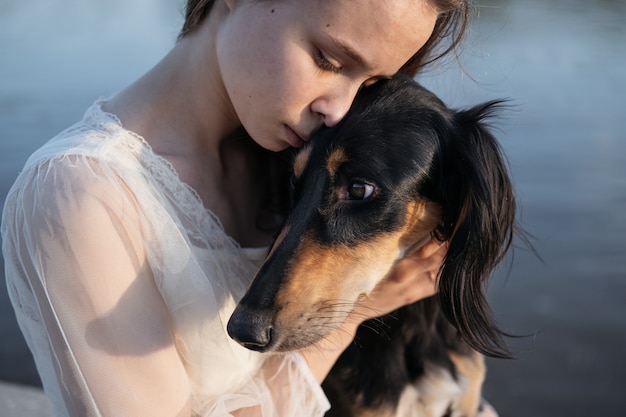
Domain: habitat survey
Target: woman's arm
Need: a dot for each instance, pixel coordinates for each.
(99, 328)
(74, 250)
(104, 338)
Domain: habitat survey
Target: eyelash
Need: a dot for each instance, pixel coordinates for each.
(324, 63)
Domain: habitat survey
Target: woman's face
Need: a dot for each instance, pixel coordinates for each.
(290, 66)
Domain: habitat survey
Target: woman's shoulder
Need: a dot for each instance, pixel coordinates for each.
(94, 156)
(95, 151)
(98, 135)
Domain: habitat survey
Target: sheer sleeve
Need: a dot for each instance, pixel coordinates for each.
(116, 327)
(81, 274)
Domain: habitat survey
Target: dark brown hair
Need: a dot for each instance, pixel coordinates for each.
(450, 26)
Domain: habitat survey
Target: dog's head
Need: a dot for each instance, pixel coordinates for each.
(401, 167)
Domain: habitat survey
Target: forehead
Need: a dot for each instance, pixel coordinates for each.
(386, 32)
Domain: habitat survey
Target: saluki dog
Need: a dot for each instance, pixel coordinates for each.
(400, 168)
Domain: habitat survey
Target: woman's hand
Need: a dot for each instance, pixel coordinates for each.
(413, 278)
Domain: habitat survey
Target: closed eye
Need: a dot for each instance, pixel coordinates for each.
(324, 63)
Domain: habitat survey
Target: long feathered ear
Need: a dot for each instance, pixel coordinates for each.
(478, 223)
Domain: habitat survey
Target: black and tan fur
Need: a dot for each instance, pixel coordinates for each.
(400, 168)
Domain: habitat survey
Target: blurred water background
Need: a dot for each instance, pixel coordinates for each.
(563, 65)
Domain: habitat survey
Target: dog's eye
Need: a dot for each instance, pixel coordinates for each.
(359, 190)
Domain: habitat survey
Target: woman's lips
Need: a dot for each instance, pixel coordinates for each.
(293, 138)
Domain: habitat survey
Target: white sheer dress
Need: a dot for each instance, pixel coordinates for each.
(123, 282)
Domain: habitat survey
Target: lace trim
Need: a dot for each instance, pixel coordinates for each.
(204, 227)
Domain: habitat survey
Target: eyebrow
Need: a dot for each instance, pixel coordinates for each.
(350, 53)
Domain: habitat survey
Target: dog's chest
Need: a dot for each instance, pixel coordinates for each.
(437, 394)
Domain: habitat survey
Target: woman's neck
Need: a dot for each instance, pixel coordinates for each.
(181, 109)
(180, 106)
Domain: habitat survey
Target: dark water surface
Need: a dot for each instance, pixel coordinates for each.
(563, 65)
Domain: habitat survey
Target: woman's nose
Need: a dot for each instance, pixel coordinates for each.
(334, 105)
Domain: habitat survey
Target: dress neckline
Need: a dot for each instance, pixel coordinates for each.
(166, 174)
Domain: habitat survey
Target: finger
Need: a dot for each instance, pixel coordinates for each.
(410, 276)
(430, 248)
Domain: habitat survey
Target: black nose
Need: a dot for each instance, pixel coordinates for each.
(251, 328)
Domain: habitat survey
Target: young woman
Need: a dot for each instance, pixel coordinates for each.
(129, 237)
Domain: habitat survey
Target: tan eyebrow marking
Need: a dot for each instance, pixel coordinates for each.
(335, 160)
(300, 161)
